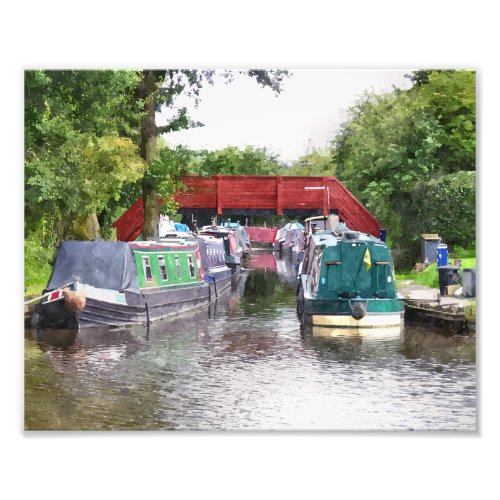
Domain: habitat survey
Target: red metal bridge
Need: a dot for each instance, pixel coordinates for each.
(261, 195)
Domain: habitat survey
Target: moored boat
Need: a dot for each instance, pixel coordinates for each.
(213, 260)
(241, 236)
(347, 285)
(288, 238)
(120, 283)
(233, 252)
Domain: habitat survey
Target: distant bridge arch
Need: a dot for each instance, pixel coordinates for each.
(261, 195)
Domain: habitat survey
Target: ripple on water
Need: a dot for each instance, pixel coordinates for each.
(247, 366)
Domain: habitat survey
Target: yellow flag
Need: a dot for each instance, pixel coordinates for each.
(367, 259)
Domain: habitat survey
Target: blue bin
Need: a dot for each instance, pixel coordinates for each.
(442, 255)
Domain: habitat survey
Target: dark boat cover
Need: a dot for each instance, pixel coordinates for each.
(216, 257)
(102, 264)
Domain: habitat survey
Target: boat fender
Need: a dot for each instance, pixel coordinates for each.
(358, 310)
(74, 301)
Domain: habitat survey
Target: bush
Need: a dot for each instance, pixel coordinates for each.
(38, 258)
(458, 252)
(447, 206)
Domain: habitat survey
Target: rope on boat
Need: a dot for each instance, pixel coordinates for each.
(48, 293)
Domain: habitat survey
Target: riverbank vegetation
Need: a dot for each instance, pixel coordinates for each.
(430, 276)
(410, 157)
(93, 147)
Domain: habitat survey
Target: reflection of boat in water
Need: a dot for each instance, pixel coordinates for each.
(263, 260)
(287, 269)
(347, 286)
(378, 333)
(347, 348)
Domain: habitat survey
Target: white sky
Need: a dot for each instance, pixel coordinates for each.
(311, 107)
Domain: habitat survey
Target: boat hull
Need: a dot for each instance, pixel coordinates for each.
(333, 317)
(219, 282)
(140, 308)
(377, 325)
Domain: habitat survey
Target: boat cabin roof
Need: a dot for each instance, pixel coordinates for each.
(316, 217)
(209, 238)
(216, 229)
(165, 244)
(329, 238)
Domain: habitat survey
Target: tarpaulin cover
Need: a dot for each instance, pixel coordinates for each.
(212, 253)
(203, 253)
(102, 264)
(181, 228)
(292, 237)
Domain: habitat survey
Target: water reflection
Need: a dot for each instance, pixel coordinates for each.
(246, 363)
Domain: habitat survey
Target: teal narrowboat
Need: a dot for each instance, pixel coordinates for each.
(347, 285)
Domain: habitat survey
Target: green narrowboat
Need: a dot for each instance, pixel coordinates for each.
(119, 283)
(347, 285)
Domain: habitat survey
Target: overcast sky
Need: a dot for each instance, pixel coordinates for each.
(307, 112)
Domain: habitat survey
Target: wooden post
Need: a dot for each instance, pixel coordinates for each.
(279, 197)
(325, 198)
(219, 201)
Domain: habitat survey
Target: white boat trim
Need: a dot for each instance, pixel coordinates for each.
(347, 321)
(372, 333)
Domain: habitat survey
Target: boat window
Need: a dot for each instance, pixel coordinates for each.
(178, 265)
(163, 268)
(191, 266)
(147, 269)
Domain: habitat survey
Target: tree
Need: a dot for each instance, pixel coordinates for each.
(450, 96)
(80, 128)
(387, 146)
(232, 160)
(161, 88)
(393, 145)
(319, 161)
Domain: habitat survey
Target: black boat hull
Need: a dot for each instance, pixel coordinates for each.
(150, 305)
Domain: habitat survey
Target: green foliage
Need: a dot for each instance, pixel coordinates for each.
(456, 250)
(447, 206)
(235, 161)
(164, 174)
(38, 256)
(430, 276)
(467, 262)
(451, 98)
(397, 153)
(387, 146)
(317, 162)
(76, 159)
(80, 128)
(81, 175)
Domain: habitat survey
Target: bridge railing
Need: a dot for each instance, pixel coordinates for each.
(246, 195)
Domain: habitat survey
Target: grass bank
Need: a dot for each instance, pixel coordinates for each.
(36, 282)
(429, 276)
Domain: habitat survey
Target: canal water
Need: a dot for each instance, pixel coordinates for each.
(245, 364)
